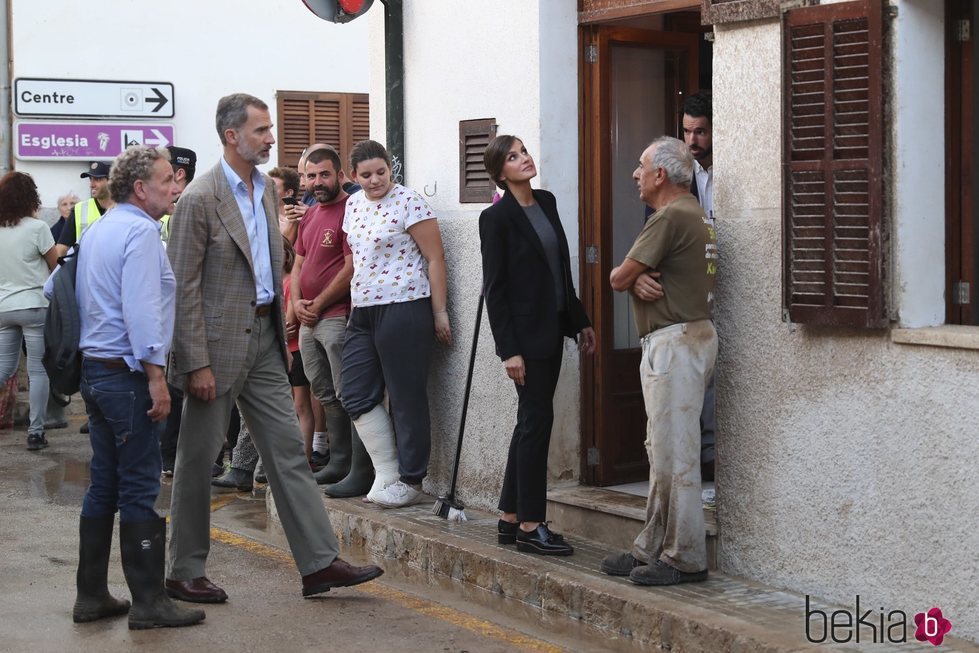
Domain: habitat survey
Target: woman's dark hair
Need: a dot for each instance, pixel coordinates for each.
(365, 151)
(18, 198)
(495, 156)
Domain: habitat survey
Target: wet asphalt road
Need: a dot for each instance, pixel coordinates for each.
(40, 499)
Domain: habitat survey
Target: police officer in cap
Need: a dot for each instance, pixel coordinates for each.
(184, 164)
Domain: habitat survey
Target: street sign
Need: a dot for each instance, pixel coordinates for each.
(85, 141)
(79, 98)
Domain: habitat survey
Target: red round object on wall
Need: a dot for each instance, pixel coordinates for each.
(351, 6)
(338, 11)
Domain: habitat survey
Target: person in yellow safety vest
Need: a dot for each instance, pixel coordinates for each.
(88, 212)
(184, 164)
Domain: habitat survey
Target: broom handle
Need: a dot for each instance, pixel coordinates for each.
(465, 399)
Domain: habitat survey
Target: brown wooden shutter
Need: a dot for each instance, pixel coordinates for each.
(360, 120)
(295, 128)
(833, 165)
(337, 119)
(475, 184)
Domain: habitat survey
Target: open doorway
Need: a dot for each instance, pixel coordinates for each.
(635, 74)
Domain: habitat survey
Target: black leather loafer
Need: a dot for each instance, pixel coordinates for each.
(543, 542)
(506, 532)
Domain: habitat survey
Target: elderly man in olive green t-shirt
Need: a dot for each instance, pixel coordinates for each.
(679, 347)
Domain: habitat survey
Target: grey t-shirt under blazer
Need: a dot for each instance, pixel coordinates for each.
(552, 250)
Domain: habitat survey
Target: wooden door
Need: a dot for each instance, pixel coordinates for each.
(633, 86)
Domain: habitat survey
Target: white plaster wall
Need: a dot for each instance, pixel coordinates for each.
(558, 162)
(846, 462)
(206, 49)
(918, 163)
(514, 61)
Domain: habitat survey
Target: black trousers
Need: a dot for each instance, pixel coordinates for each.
(168, 439)
(525, 480)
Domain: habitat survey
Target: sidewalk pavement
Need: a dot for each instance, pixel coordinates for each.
(723, 614)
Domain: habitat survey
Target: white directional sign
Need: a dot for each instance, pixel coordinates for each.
(79, 98)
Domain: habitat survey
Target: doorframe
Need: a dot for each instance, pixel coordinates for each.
(595, 229)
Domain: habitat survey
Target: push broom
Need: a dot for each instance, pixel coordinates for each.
(447, 506)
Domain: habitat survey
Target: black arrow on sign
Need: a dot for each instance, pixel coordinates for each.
(160, 100)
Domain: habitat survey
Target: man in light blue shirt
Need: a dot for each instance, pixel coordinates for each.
(125, 297)
(249, 202)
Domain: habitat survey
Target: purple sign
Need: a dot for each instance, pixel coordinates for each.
(84, 141)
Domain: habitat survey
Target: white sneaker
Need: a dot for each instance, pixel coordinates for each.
(378, 486)
(397, 495)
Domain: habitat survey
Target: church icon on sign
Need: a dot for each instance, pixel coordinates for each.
(131, 137)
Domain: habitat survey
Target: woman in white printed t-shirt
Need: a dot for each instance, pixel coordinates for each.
(398, 293)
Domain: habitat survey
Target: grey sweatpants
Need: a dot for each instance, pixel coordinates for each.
(390, 347)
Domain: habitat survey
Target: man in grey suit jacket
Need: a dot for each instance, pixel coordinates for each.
(229, 345)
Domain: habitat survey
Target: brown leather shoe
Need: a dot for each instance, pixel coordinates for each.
(338, 574)
(199, 590)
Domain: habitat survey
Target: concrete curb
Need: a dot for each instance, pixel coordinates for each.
(419, 547)
(724, 614)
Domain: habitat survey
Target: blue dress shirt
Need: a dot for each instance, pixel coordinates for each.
(125, 289)
(257, 227)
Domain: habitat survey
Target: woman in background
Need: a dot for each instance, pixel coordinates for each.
(65, 205)
(27, 256)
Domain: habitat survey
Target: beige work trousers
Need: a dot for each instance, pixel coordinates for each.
(677, 363)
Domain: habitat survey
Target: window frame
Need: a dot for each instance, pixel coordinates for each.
(962, 169)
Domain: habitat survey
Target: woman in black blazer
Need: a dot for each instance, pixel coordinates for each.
(532, 307)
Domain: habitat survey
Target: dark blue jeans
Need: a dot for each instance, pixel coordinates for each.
(125, 469)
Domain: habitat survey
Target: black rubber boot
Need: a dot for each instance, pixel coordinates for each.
(93, 600)
(143, 545)
(358, 482)
(340, 429)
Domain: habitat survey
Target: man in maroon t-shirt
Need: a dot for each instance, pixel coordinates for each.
(321, 298)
